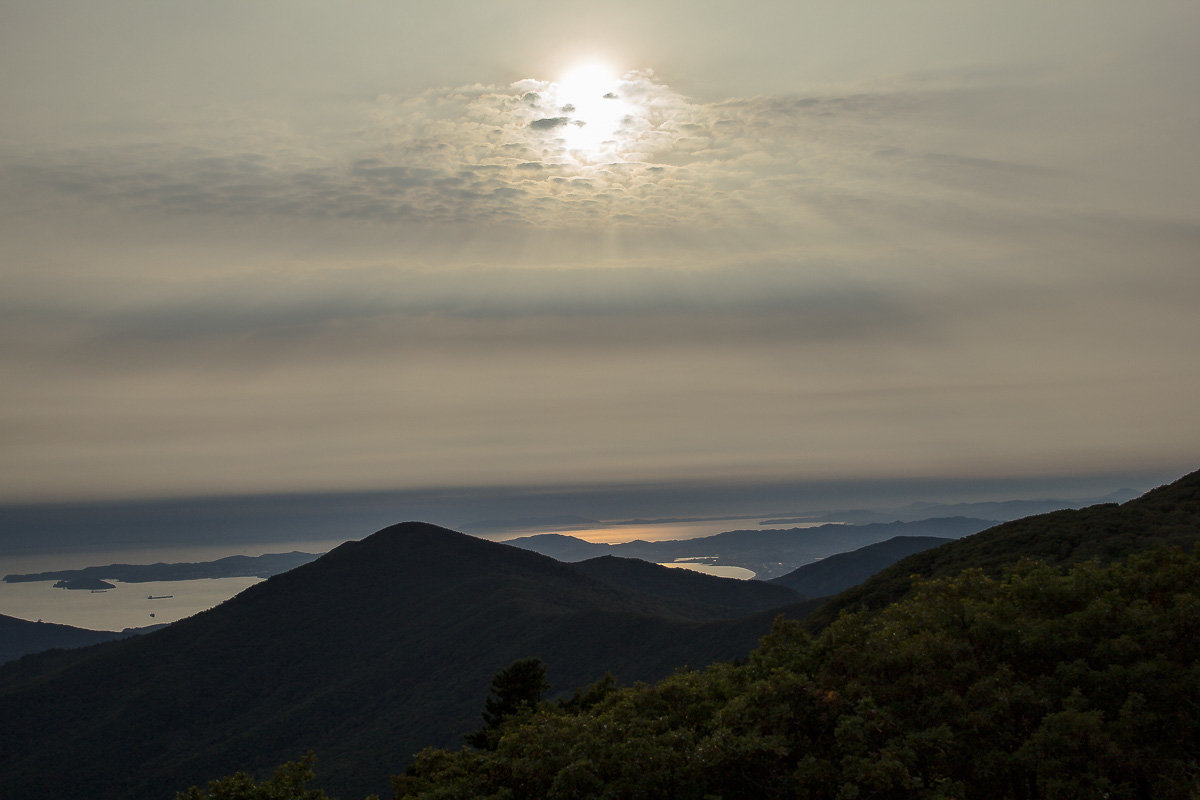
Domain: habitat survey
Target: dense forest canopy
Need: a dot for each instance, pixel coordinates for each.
(1040, 683)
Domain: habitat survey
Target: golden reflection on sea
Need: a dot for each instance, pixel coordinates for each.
(649, 531)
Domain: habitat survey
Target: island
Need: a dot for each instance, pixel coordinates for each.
(94, 584)
(263, 566)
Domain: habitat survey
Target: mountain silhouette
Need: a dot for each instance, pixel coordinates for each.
(844, 570)
(263, 566)
(379, 648)
(19, 637)
(688, 592)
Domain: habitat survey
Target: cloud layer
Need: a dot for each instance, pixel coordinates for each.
(481, 155)
(961, 271)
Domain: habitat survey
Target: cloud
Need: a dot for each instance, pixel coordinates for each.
(549, 123)
(464, 155)
(583, 307)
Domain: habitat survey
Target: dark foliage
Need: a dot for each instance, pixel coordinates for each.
(1037, 684)
(288, 782)
(518, 687)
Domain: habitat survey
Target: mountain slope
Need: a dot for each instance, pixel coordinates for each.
(1042, 683)
(1168, 515)
(843, 570)
(709, 596)
(19, 637)
(366, 655)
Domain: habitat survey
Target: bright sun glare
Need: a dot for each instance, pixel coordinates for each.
(589, 95)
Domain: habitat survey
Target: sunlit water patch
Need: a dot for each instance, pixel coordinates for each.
(129, 605)
(740, 573)
(656, 531)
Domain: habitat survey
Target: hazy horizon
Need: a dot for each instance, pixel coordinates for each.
(303, 248)
(51, 537)
(233, 523)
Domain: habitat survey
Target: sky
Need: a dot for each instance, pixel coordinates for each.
(297, 246)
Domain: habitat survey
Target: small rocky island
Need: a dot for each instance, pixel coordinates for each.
(94, 584)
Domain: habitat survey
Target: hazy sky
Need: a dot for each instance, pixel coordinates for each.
(296, 246)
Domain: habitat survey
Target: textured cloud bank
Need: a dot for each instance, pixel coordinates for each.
(499, 155)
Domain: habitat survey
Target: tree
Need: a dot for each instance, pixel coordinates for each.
(287, 783)
(516, 688)
(1039, 684)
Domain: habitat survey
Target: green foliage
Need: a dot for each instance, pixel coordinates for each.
(287, 783)
(516, 689)
(590, 696)
(1039, 683)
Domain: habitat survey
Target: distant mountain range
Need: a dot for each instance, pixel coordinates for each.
(1000, 511)
(366, 655)
(263, 566)
(767, 553)
(520, 523)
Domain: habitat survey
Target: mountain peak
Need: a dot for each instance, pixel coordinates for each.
(393, 638)
(414, 532)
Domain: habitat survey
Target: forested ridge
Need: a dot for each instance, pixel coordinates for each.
(1040, 683)
(1168, 515)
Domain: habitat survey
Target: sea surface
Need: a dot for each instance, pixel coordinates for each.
(738, 573)
(128, 606)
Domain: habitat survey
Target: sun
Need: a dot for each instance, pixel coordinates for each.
(589, 96)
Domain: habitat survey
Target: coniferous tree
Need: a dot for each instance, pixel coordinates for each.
(516, 688)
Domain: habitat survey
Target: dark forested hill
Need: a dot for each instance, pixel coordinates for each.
(366, 655)
(1168, 515)
(1041, 684)
(702, 595)
(843, 570)
(19, 637)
